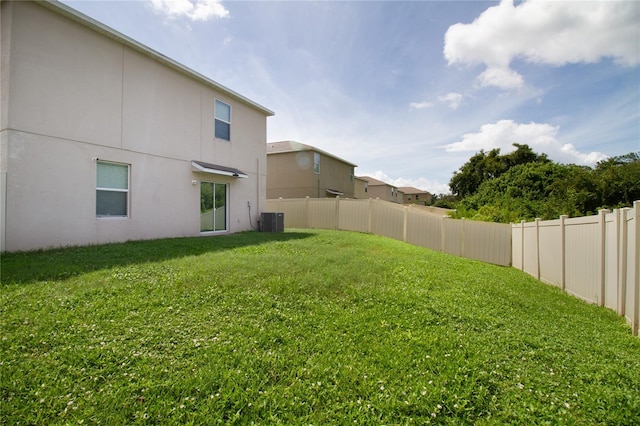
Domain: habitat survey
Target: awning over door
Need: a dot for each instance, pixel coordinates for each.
(334, 192)
(215, 169)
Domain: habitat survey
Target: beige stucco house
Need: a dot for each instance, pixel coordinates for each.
(360, 187)
(413, 195)
(375, 188)
(296, 170)
(105, 140)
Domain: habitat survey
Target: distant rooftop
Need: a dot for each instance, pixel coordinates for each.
(410, 190)
(374, 182)
(293, 146)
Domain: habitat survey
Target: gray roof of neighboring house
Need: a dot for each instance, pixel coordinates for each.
(374, 182)
(410, 190)
(293, 146)
(109, 32)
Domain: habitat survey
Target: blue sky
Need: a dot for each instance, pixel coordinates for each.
(409, 91)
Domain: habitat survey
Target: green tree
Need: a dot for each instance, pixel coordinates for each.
(618, 180)
(528, 191)
(483, 167)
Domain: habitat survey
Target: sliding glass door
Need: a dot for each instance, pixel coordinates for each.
(213, 206)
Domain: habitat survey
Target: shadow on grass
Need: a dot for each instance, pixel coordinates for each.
(61, 263)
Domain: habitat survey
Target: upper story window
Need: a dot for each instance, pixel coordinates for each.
(223, 120)
(112, 189)
(351, 173)
(316, 163)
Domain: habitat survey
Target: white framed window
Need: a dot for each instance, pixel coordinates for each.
(213, 206)
(222, 120)
(316, 163)
(112, 189)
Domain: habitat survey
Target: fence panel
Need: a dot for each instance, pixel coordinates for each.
(516, 245)
(582, 258)
(595, 258)
(424, 230)
(295, 211)
(387, 219)
(487, 242)
(530, 249)
(550, 239)
(322, 213)
(354, 215)
(452, 238)
(630, 264)
(611, 255)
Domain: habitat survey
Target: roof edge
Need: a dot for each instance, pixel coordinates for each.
(109, 32)
(304, 147)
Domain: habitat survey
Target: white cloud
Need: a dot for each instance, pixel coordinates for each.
(420, 105)
(504, 78)
(545, 32)
(429, 185)
(541, 137)
(195, 10)
(453, 99)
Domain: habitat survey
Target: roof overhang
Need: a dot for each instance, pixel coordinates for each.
(214, 169)
(334, 192)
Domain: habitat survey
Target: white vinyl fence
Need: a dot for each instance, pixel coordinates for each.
(487, 242)
(594, 258)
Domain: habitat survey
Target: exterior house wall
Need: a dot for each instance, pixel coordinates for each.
(378, 189)
(382, 192)
(74, 92)
(385, 192)
(415, 196)
(291, 173)
(334, 175)
(360, 188)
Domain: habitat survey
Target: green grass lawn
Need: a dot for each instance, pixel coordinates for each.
(306, 327)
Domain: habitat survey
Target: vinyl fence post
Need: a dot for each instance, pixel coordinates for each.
(522, 222)
(306, 212)
(336, 224)
(623, 260)
(618, 265)
(462, 231)
(636, 298)
(404, 224)
(563, 253)
(369, 219)
(602, 214)
(443, 233)
(538, 248)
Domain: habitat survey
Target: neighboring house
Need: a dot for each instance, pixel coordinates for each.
(360, 188)
(415, 195)
(105, 140)
(296, 170)
(375, 188)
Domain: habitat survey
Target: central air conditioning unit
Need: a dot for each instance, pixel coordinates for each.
(272, 222)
